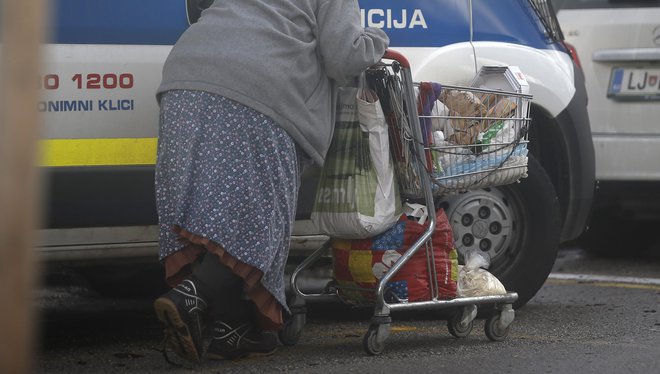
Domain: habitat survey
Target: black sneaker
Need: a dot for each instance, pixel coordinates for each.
(238, 342)
(182, 311)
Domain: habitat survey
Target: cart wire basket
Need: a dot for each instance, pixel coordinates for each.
(438, 151)
(472, 137)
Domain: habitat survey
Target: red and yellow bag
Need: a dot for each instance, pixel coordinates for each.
(359, 264)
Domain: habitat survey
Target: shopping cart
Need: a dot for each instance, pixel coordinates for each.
(436, 152)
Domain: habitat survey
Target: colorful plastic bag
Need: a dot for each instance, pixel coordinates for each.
(359, 264)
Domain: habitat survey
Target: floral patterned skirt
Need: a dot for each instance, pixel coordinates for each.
(227, 181)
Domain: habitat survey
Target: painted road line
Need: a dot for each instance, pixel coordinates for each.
(605, 279)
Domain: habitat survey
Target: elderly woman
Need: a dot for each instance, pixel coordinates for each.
(247, 99)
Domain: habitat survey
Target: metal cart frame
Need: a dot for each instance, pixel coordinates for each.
(465, 309)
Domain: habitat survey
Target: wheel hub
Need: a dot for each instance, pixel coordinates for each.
(483, 221)
(480, 229)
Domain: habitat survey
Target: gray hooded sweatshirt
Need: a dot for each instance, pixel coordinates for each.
(280, 57)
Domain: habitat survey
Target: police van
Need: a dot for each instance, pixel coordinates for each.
(103, 64)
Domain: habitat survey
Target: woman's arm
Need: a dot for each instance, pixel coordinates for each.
(345, 46)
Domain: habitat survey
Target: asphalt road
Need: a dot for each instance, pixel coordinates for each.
(594, 315)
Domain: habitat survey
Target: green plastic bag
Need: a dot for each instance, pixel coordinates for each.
(357, 196)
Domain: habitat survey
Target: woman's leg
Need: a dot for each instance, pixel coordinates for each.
(234, 331)
(222, 290)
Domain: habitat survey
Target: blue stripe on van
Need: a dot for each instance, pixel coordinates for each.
(436, 23)
(159, 22)
(409, 23)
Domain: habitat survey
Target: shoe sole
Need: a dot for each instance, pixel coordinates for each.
(240, 356)
(178, 334)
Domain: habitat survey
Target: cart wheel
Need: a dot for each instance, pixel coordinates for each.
(458, 329)
(292, 329)
(371, 342)
(494, 330)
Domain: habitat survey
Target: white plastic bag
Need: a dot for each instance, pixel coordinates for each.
(358, 195)
(474, 281)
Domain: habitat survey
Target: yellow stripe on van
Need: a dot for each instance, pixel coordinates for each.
(98, 152)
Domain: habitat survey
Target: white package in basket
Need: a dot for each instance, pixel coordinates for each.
(358, 194)
(505, 78)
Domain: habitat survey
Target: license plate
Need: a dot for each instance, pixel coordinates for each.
(634, 84)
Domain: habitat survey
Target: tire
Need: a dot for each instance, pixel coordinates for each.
(519, 225)
(493, 330)
(456, 328)
(290, 333)
(370, 342)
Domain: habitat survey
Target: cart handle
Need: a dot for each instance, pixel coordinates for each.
(398, 57)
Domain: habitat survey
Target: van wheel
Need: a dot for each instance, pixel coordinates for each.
(518, 225)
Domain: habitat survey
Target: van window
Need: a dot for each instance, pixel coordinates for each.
(546, 15)
(591, 4)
